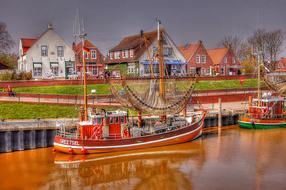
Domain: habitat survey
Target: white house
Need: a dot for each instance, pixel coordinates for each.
(47, 56)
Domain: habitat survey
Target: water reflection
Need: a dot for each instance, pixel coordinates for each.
(235, 159)
(157, 168)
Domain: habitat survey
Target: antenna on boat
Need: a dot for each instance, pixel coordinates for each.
(78, 29)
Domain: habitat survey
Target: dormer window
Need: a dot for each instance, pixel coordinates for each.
(126, 53)
(117, 55)
(131, 52)
(111, 55)
(44, 50)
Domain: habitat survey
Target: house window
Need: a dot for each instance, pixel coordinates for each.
(198, 59)
(55, 71)
(44, 50)
(117, 55)
(60, 51)
(168, 51)
(123, 54)
(94, 71)
(111, 55)
(93, 54)
(225, 59)
(204, 59)
(131, 52)
(85, 55)
(37, 69)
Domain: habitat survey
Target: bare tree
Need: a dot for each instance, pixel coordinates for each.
(233, 42)
(274, 42)
(6, 41)
(258, 42)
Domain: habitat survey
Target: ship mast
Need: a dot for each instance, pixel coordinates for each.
(79, 32)
(258, 78)
(161, 60)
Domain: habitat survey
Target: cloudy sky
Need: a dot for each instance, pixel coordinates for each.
(107, 21)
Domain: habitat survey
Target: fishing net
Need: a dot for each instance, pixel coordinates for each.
(144, 95)
(276, 81)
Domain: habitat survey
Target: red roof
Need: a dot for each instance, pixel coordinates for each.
(217, 54)
(27, 43)
(189, 49)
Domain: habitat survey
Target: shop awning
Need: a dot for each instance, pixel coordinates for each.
(37, 65)
(54, 65)
(167, 61)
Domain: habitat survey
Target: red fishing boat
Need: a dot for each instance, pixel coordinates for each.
(165, 121)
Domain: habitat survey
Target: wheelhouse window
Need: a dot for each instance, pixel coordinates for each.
(93, 54)
(60, 51)
(122, 119)
(44, 50)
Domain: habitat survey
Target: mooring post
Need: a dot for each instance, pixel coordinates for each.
(219, 113)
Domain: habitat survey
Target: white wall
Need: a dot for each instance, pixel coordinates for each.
(51, 40)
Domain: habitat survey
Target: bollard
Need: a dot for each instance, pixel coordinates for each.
(29, 139)
(18, 140)
(5, 141)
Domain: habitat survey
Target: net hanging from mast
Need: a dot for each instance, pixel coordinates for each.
(143, 95)
(276, 81)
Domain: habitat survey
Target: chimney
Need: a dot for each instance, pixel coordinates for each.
(50, 26)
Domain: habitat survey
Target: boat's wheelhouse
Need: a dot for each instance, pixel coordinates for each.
(267, 107)
(104, 125)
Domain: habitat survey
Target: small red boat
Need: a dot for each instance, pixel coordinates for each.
(109, 133)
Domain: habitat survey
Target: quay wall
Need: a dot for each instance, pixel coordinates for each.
(32, 134)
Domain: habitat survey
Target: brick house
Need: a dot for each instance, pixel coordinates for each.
(130, 56)
(198, 59)
(224, 61)
(93, 58)
(280, 65)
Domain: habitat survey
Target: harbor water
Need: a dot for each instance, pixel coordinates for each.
(233, 159)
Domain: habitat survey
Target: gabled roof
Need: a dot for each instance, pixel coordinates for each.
(189, 49)
(87, 44)
(134, 41)
(27, 43)
(217, 54)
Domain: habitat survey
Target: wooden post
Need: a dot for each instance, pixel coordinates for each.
(139, 119)
(219, 113)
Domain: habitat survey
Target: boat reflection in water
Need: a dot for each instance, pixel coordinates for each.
(156, 168)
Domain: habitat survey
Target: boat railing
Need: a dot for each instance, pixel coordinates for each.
(267, 116)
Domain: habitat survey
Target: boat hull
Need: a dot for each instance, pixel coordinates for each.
(249, 123)
(77, 146)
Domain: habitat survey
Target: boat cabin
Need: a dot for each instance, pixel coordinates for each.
(104, 125)
(267, 107)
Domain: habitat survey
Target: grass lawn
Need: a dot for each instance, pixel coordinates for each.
(105, 88)
(34, 111)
